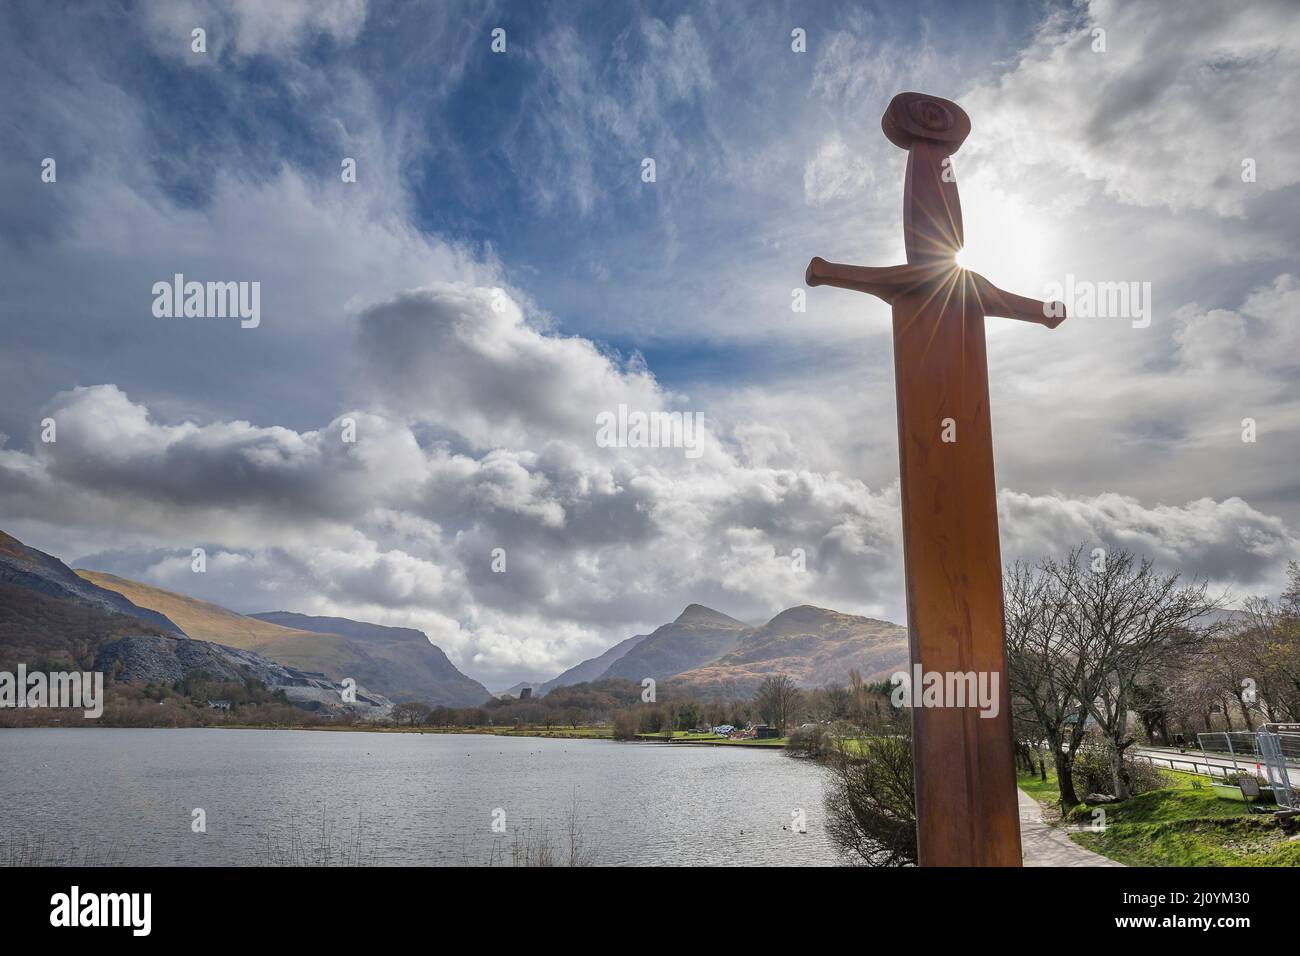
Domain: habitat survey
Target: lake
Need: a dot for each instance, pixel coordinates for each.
(127, 796)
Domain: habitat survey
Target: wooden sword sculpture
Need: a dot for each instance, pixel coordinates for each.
(966, 804)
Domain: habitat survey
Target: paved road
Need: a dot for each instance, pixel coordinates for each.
(1195, 761)
(1043, 845)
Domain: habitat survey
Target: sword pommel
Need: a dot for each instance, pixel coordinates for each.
(919, 117)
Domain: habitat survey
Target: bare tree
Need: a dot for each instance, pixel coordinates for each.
(412, 713)
(1122, 619)
(776, 700)
(1046, 671)
(1193, 697)
(1266, 640)
(1157, 689)
(1230, 670)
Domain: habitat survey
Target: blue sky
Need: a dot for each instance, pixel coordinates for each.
(534, 154)
(521, 172)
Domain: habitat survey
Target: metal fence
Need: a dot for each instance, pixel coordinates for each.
(1240, 746)
(1245, 744)
(1264, 752)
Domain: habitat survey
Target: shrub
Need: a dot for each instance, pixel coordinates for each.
(811, 740)
(1093, 773)
(870, 801)
(626, 724)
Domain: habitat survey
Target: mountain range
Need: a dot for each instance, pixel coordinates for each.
(399, 663)
(37, 571)
(593, 668)
(702, 650)
(698, 636)
(812, 645)
(710, 653)
(401, 660)
(53, 619)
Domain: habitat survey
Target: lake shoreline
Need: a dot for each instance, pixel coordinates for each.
(773, 745)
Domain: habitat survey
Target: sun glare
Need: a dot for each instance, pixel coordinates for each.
(1006, 242)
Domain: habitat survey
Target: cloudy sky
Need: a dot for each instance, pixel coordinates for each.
(500, 273)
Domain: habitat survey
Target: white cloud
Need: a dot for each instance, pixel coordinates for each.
(582, 116)
(465, 358)
(400, 529)
(251, 27)
(1227, 541)
(834, 173)
(1166, 114)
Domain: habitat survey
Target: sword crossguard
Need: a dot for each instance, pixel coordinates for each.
(940, 278)
(884, 282)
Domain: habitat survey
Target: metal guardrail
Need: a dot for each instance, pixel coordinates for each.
(1210, 768)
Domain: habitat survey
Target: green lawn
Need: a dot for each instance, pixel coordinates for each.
(594, 732)
(1180, 825)
(852, 746)
(1044, 791)
(685, 736)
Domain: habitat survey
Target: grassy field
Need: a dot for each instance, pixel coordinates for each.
(599, 732)
(1182, 824)
(595, 732)
(686, 737)
(1044, 791)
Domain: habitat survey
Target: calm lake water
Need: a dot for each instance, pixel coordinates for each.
(411, 798)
